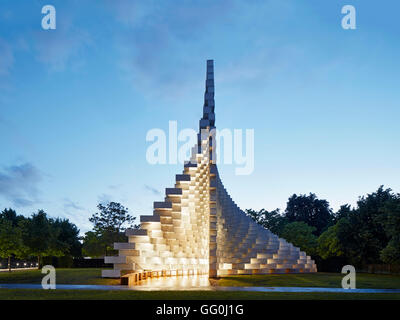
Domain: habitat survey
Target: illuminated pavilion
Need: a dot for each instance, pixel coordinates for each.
(198, 228)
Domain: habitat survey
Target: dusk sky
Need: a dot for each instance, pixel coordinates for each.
(77, 102)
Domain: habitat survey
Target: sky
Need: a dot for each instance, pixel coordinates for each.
(77, 102)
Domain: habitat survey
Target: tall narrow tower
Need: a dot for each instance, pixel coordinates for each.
(198, 229)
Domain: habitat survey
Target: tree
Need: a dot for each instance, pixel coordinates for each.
(271, 220)
(311, 210)
(10, 241)
(93, 244)
(391, 253)
(66, 237)
(110, 223)
(11, 215)
(344, 212)
(329, 245)
(301, 235)
(38, 236)
(10, 235)
(366, 235)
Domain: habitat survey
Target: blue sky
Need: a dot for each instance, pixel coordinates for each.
(76, 102)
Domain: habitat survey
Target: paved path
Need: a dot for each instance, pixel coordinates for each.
(201, 288)
(18, 269)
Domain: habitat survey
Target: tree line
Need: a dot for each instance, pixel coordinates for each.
(41, 236)
(366, 234)
(36, 236)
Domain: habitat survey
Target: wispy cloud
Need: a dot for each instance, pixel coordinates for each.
(160, 39)
(62, 48)
(104, 198)
(19, 184)
(69, 204)
(115, 186)
(76, 214)
(163, 46)
(262, 67)
(153, 190)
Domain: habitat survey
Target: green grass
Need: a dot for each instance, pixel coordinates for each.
(31, 294)
(321, 279)
(93, 276)
(63, 276)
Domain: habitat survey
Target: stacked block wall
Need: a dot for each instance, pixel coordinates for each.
(245, 247)
(175, 237)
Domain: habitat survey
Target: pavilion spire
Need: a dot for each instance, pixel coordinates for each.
(208, 119)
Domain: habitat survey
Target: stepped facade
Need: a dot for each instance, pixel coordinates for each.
(198, 229)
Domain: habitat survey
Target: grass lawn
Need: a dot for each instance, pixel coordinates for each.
(321, 279)
(31, 294)
(93, 276)
(63, 276)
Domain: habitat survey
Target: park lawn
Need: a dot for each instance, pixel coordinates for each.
(320, 279)
(93, 276)
(63, 276)
(39, 294)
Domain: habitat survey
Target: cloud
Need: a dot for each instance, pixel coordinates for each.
(69, 204)
(104, 198)
(80, 218)
(184, 21)
(130, 12)
(115, 186)
(18, 184)
(160, 41)
(153, 190)
(264, 66)
(62, 47)
(163, 47)
(20, 202)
